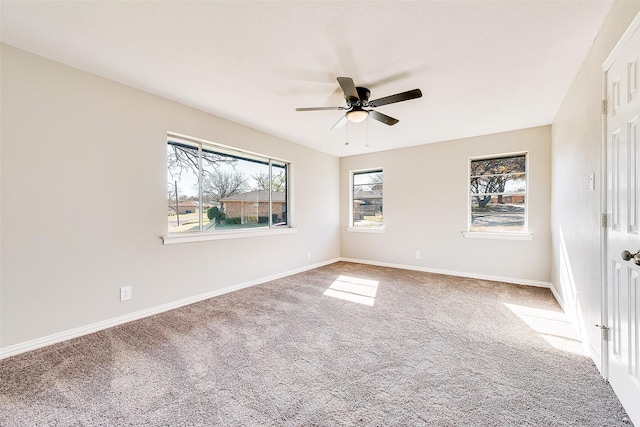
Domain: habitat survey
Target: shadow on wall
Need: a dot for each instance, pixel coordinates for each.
(570, 301)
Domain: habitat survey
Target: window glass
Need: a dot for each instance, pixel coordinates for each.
(182, 187)
(279, 179)
(366, 198)
(214, 188)
(498, 191)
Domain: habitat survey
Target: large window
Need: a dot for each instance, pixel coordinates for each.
(498, 192)
(216, 188)
(366, 199)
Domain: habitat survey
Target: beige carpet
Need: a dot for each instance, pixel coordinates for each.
(345, 344)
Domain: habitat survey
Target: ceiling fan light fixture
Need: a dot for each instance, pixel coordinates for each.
(357, 115)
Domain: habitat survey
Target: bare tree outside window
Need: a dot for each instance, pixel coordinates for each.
(498, 190)
(366, 198)
(211, 187)
(219, 184)
(278, 181)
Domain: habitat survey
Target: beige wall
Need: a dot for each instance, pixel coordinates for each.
(99, 146)
(576, 153)
(426, 205)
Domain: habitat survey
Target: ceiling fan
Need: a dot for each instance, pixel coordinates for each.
(358, 101)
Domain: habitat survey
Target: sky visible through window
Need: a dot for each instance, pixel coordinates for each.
(188, 182)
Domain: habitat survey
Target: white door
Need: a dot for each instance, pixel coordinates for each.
(623, 218)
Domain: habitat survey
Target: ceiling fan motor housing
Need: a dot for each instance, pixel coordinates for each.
(363, 94)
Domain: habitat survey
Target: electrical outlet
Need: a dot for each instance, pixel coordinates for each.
(309, 254)
(417, 254)
(125, 293)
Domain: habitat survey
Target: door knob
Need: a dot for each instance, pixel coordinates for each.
(627, 256)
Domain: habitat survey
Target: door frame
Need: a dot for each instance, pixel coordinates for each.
(604, 311)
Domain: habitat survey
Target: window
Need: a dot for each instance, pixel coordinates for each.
(216, 188)
(366, 199)
(498, 192)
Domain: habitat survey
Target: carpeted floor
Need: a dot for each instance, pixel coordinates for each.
(346, 344)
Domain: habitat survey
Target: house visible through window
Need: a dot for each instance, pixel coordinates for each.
(498, 192)
(216, 188)
(366, 199)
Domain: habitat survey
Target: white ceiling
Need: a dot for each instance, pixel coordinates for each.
(483, 66)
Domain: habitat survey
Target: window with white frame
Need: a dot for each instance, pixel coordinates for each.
(366, 199)
(211, 187)
(498, 194)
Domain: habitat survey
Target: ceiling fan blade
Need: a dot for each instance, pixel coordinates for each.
(349, 88)
(383, 118)
(398, 97)
(340, 122)
(319, 108)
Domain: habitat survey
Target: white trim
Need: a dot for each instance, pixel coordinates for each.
(586, 347)
(224, 235)
(13, 350)
(225, 149)
(516, 281)
(595, 357)
(16, 349)
(497, 236)
(498, 156)
(633, 27)
(291, 213)
(557, 296)
(365, 229)
(602, 360)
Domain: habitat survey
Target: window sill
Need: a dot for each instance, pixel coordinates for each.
(171, 239)
(365, 230)
(497, 236)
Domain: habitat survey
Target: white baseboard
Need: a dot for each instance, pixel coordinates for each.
(595, 356)
(513, 280)
(556, 295)
(16, 349)
(588, 349)
(24, 347)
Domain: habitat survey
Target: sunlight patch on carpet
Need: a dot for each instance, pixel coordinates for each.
(552, 326)
(354, 289)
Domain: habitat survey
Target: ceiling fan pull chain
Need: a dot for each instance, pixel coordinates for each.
(366, 134)
(347, 136)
